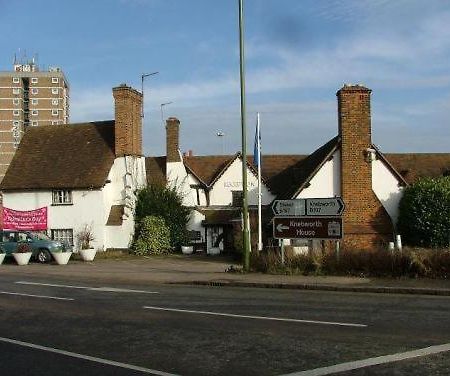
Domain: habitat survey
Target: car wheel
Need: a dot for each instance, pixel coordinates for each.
(43, 256)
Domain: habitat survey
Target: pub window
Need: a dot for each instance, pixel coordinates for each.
(34, 80)
(16, 101)
(55, 90)
(55, 80)
(16, 90)
(237, 198)
(34, 91)
(15, 80)
(63, 235)
(61, 197)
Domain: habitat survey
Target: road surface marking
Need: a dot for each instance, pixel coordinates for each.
(87, 357)
(256, 317)
(34, 296)
(373, 361)
(102, 289)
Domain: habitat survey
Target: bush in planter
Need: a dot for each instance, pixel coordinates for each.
(23, 248)
(85, 236)
(153, 237)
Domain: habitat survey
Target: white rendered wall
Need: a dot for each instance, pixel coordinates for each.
(231, 180)
(126, 175)
(327, 181)
(88, 208)
(386, 188)
(177, 176)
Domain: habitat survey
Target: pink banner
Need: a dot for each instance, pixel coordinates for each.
(30, 220)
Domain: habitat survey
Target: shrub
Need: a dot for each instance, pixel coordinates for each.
(153, 237)
(411, 262)
(160, 201)
(424, 213)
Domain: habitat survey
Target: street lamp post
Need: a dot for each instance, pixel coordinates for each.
(143, 76)
(162, 113)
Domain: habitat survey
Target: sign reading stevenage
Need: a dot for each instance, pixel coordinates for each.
(29, 220)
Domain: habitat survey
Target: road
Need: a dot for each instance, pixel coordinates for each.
(50, 327)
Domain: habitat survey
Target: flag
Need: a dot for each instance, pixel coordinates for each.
(257, 148)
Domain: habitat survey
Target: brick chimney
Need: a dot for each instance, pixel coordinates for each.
(366, 222)
(172, 140)
(128, 125)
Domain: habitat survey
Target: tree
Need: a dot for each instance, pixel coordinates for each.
(424, 218)
(165, 202)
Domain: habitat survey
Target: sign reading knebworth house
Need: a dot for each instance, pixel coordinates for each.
(325, 228)
(30, 220)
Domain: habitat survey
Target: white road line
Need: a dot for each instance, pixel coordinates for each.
(256, 317)
(35, 296)
(50, 285)
(87, 357)
(373, 361)
(102, 289)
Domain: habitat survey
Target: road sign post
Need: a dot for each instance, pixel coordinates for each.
(323, 228)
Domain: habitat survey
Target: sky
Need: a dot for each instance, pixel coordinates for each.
(298, 53)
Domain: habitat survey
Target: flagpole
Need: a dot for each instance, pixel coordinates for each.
(260, 244)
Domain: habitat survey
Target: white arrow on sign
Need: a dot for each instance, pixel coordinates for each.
(280, 227)
(331, 206)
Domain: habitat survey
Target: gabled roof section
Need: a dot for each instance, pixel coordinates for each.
(208, 168)
(74, 156)
(389, 165)
(290, 181)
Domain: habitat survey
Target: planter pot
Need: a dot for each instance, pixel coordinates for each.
(187, 250)
(2, 257)
(61, 258)
(22, 258)
(88, 254)
(213, 251)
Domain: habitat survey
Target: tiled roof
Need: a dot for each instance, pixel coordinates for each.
(413, 166)
(64, 156)
(286, 175)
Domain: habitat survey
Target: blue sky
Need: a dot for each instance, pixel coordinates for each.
(298, 54)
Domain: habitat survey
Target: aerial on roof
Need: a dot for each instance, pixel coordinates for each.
(65, 156)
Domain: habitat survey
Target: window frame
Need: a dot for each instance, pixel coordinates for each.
(55, 112)
(62, 197)
(55, 90)
(34, 80)
(55, 80)
(16, 113)
(34, 90)
(34, 112)
(16, 80)
(16, 90)
(64, 235)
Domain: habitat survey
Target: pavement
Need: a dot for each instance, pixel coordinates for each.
(208, 270)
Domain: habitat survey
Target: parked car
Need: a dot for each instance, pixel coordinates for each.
(40, 243)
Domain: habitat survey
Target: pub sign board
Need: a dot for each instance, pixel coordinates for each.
(322, 228)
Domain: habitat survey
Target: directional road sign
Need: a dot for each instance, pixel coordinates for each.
(326, 228)
(289, 207)
(316, 207)
(324, 206)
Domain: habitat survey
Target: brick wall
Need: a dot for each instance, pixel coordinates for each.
(366, 222)
(173, 140)
(128, 127)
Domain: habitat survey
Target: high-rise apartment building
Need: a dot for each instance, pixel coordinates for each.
(29, 97)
